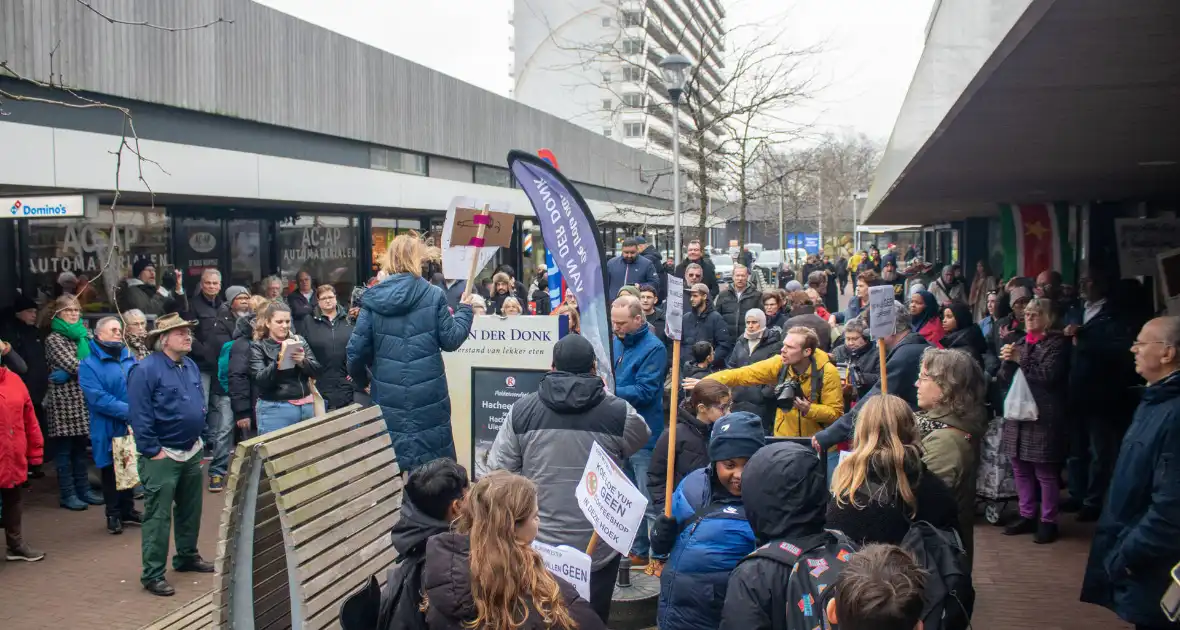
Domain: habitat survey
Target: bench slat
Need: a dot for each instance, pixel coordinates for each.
(333, 549)
(302, 535)
(278, 443)
(342, 477)
(301, 457)
(305, 515)
(286, 480)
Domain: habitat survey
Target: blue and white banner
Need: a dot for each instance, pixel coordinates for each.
(554, 276)
(571, 237)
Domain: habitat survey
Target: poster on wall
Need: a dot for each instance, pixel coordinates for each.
(1140, 241)
(493, 392)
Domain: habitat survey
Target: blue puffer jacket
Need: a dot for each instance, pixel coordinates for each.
(640, 365)
(403, 327)
(693, 583)
(103, 379)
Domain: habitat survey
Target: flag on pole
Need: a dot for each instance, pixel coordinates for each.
(1036, 237)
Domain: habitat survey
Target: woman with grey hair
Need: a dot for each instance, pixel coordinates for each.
(135, 333)
(951, 420)
(757, 343)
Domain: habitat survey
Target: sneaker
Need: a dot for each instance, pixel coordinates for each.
(160, 587)
(1089, 514)
(195, 565)
(637, 562)
(134, 518)
(137, 492)
(73, 503)
(1021, 526)
(92, 497)
(26, 553)
(1046, 533)
(216, 483)
(114, 525)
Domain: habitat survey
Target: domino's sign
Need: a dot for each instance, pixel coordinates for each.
(57, 207)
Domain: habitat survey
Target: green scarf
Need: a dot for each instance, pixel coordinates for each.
(75, 332)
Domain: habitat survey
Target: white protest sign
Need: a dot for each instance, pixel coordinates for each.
(457, 260)
(674, 313)
(1141, 240)
(881, 313)
(567, 563)
(612, 505)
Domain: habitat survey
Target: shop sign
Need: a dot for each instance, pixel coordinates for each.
(56, 207)
(321, 243)
(84, 248)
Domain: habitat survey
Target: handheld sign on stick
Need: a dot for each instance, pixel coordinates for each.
(673, 327)
(610, 502)
(472, 234)
(882, 317)
(481, 219)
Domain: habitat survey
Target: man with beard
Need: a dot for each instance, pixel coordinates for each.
(696, 256)
(702, 323)
(889, 275)
(947, 288)
(629, 269)
(140, 291)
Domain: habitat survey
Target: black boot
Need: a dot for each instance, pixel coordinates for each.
(1021, 526)
(160, 587)
(1089, 514)
(1046, 533)
(114, 525)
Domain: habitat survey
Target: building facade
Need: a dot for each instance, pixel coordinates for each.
(595, 64)
(269, 146)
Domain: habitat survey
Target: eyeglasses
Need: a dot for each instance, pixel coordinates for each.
(723, 407)
(1138, 344)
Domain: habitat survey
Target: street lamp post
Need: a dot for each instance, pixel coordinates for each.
(675, 69)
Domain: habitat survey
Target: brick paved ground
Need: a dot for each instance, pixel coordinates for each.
(90, 579)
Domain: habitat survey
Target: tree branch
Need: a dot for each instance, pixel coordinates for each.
(146, 24)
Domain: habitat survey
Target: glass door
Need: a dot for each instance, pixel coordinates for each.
(249, 253)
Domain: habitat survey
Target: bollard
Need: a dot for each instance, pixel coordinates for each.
(625, 573)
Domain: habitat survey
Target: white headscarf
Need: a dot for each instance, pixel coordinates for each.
(761, 317)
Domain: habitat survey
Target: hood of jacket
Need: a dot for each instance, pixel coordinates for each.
(969, 337)
(910, 339)
(413, 528)
(785, 491)
(244, 327)
(447, 576)
(398, 294)
(1163, 391)
(973, 422)
(685, 418)
(98, 351)
(564, 392)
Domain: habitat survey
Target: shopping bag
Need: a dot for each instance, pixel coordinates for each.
(126, 460)
(1019, 403)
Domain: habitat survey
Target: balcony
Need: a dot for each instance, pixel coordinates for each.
(511, 18)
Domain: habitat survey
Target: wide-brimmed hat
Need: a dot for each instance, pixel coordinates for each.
(168, 322)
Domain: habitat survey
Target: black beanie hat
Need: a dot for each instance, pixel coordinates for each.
(139, 265)
(739, 434)
(573, 354)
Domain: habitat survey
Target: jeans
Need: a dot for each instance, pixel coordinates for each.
(219, 424)
(167, 482)
(69, 455)
(274, 415)
(1094, 443)
(637, 467)
(119, 503)
(1028, 476)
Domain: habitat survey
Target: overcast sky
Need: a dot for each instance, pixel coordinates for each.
(870, 47)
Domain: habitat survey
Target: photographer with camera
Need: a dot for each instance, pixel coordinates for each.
(807, 389)
(140, 291)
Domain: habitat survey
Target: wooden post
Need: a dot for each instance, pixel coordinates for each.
(669, 486)
(477, 243)
(881, 360)
(593, 543)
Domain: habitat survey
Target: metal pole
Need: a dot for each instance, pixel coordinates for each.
(821, 214)
(676, 174)
(782, 239)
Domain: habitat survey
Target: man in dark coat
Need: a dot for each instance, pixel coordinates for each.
(696, 255)
(649, 252)
(903, 361)
(702, 323)
(139, 292)
(629, 269)
(407, 312)
(28, 341)
(215, 324)
(1138, 537)
(803, 314)
(302, 299)
(736, 300)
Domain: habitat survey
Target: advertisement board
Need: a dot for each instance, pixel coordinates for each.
(493, 392)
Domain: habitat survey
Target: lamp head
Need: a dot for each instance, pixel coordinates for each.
(675, 70)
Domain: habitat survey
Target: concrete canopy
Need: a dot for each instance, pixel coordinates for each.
(1032, 101)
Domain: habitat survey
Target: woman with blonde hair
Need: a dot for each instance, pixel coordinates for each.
(569, 308)
(66, 345)
(282, 365)
(510, 306)
(403, 328)
(486, 574)
(883, 485)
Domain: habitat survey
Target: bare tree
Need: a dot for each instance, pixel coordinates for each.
(845, 165)
(65, 96)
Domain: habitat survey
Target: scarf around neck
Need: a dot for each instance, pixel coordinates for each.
(75, 332)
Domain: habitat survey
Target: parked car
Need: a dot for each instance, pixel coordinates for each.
(770, 261)
(723, 263)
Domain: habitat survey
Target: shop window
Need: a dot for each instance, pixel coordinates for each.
(322, 245)
(385, 230)
(493, 176)
(384, 159)
(82, 247)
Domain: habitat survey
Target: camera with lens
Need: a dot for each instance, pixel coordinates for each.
(167, 277)
(786, 392)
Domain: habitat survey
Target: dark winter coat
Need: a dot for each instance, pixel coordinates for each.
(455, 293)
(640, 362)
(709, 277)
(756, 399)
(805, 316)
(22, 444)
(621, 273)
(242, 392)
(778, 320)
(328, 339)
(1101, 370)
(403, 592)
(29, 343)
(969, 340)
(733, 310)
(864, 364)
(403, 327)
(103, 379)
(281, 385)
(651, 254)
(692, 452)
(785, 493)
(882, 515)
(132, 293)
(708, 326)
(902, 365)
(1046, 368)
(215, 327)
(659, 326)
(301, 305)
(1138, 537)
(447, 582)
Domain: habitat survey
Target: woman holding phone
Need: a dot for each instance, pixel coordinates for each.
(281, 365)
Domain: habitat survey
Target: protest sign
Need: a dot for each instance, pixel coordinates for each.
(458, 255)
(567, 563)
(612, 505)
(1140, 241)
(674, 320)
(881, 313)
(497, 229)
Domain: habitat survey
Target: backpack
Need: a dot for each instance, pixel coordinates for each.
(223, 365)
(813, 570)
(949, 597)
(394, 607)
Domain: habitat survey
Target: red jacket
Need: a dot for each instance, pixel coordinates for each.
(21, 444)
(932, 331)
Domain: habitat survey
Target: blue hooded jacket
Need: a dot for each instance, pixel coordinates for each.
(403, 327)
(694, 581)
(640, 366)
(103, 379)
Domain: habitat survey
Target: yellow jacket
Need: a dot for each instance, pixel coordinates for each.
(854, 262)
(825, 408)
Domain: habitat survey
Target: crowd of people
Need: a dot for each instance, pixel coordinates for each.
(776, 382)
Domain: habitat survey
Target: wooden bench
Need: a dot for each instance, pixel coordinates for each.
(306, 522)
